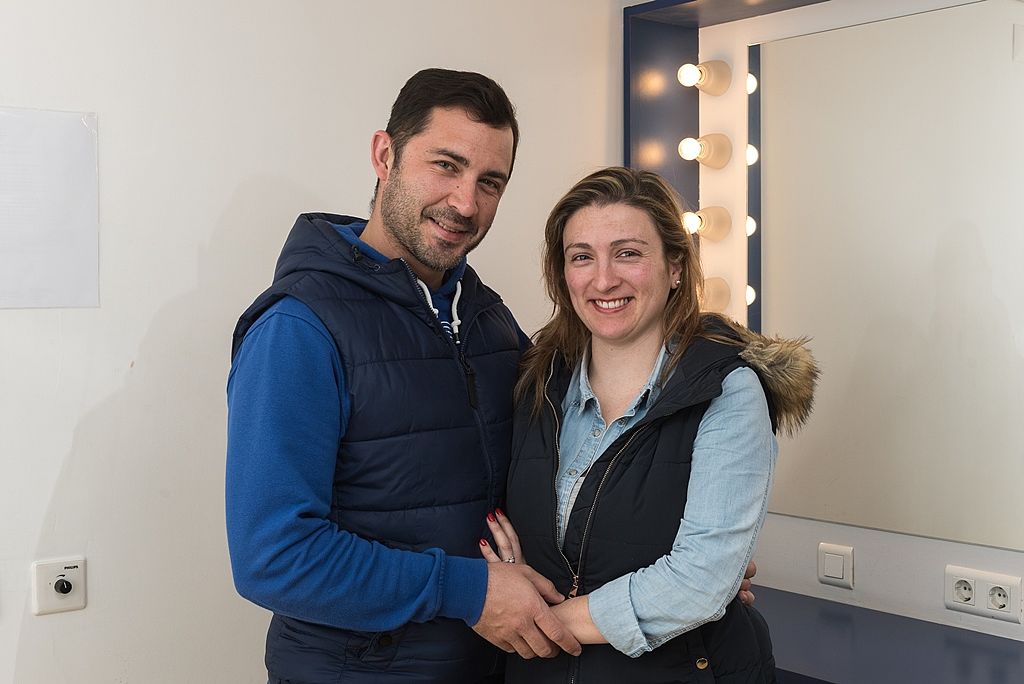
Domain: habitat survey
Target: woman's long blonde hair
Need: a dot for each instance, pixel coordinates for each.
(565, 333)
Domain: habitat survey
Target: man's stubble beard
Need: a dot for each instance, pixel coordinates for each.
(402, 217)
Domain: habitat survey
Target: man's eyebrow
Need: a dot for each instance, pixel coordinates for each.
(456, 157)
(615, 243)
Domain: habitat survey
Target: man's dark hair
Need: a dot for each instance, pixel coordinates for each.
(480, 97)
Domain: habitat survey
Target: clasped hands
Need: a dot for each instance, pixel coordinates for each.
(517, 615)
(523, 612)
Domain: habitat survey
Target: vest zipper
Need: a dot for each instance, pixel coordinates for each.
(578, 572)
(554, 486)
(467, 370)
(470, 374)
(597, 495)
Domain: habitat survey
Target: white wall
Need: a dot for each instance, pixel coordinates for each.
(894, 572)
(219, 122)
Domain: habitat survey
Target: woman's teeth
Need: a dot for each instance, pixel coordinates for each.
(611, 304)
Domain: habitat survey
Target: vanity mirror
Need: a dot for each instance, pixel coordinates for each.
(891, 181)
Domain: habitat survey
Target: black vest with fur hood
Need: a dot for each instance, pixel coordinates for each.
(627, 512)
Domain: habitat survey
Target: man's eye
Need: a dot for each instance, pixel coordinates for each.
(629, 253)
(446, 165)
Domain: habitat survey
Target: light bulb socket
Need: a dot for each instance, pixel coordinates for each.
(715, 150)
(715, 77)
(715, 223)
(716, 295)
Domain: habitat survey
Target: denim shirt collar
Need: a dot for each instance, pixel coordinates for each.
(580, 394)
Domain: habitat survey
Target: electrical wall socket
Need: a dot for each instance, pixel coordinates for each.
(983, 593)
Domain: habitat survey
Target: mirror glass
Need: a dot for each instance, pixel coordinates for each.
(892, 232)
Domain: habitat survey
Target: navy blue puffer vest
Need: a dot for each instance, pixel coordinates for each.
(426, 450)
(625, 517)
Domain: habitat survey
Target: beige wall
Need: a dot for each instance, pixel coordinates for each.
(219, 122)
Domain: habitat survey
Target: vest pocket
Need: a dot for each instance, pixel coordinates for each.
(377, 649)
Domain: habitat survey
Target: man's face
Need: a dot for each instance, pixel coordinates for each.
(441, 197)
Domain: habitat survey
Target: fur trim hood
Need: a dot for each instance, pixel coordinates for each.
(788, 372)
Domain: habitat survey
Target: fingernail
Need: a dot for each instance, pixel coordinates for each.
(490, 516)
(483, 542)
(499, 511)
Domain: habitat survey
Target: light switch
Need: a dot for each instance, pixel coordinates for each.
(835, 565)
(58, 585)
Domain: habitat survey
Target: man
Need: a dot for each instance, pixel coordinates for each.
(369, 418)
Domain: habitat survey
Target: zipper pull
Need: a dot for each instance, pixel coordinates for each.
(470, 380)
(575, 586)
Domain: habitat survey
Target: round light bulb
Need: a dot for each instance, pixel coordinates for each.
(692, 222)
(752, 155)
(751, 295)
(751, 226)
(751, 84)
(689, 75)
(689, 148)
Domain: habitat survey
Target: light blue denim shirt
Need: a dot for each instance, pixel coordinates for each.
(585, 436)
(734, 458)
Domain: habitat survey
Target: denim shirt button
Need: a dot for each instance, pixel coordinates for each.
(596, 433)
(572, 471)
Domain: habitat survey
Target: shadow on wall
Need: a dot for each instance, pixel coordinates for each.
(141, 492)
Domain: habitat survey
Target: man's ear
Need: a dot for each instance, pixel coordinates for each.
(382, 155)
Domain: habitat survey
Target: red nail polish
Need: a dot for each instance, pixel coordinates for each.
(490, 516)
(483, 542)
(499, 511)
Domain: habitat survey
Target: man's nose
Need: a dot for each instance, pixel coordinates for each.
(462, 199)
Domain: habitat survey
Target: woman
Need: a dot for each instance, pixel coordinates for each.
(643, 447)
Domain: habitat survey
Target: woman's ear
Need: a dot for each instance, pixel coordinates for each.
(382, 155)
(675, 272)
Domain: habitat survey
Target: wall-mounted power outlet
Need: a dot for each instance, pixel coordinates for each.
(983, 593)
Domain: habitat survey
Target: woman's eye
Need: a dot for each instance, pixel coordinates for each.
(579, 257)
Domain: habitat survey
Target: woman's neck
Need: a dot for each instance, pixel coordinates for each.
(617, 372)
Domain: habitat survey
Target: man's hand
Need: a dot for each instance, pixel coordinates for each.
(516, 616)
(747, 596)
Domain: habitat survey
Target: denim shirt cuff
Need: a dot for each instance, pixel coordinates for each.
(611, 609)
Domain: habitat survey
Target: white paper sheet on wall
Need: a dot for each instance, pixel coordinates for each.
(49, 209)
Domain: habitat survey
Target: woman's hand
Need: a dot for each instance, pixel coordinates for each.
(746, 595)
(505, 539)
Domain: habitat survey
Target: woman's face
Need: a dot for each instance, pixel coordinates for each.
(617, 274)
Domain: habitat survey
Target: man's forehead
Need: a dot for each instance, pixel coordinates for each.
(455, 130)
